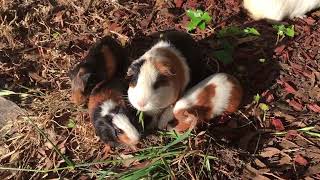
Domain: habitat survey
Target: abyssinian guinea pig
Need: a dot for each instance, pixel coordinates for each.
(159, 77)
(277, 10)
(113, 120)
(106, 59)
(217, 94)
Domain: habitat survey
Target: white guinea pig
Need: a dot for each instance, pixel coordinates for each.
(279, 9)
(217, 94)
(159, 77)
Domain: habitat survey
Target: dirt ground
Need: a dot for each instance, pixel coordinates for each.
(40, 40)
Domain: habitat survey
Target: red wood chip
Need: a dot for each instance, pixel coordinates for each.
(285, 55)
(295, 104)
(300, 160)
(192, 4)
(279, 49)
(178, 3)
(310, 21)
(269, 98)
(288, 88)
(314, 107)
(291, 134)
(277, 124)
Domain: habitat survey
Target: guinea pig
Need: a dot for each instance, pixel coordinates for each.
(113, 120)
(277, 10)
(106, 59)
(159, 77)
(216, 95)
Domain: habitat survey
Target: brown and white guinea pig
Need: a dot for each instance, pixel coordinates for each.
(160, 76)
(113, 120)
(277, 10)
(106, 59)
(217, 94)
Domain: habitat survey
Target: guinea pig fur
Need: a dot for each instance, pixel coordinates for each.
(217, 94)
(106, 59)
(277, 10)
(160, 75)
(113, 121)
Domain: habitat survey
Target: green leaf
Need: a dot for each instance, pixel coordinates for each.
(252, 31)
(257, 98)
(194, 15)
(192, 25)
(202, 25)
(206, 17)
(198, 13)
(223, 56)
(198, 18)
(71, 123)
(229, 31)
(55, 35)
(280, 28)
(290, 31)
(263, 107)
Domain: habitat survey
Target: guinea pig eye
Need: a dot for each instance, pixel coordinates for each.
(161, 81)
(118, 131)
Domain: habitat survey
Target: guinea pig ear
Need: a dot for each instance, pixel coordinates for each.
(130, 73)
(85, 77)
(134, 68)
(165, 69)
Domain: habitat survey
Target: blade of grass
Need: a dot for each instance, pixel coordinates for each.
(314, 134)
(69, 162)
(179, 139)
(168, 169)
(306, 128)
(137, 174)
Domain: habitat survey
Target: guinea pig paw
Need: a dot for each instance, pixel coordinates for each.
(106, 151)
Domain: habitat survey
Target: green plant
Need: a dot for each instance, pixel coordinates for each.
(198, 19)
(71, 123)
(283, 31)
(225, 53)
(236, 31)
(257, 98)
(141, 118)
(264, 107)
(251, 31)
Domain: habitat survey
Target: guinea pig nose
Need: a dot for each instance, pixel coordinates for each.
(141, 103)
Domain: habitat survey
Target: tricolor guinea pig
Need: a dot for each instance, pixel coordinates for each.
(159, 77)
(217, 94)
(277, 10)
(106, 59)
(113, 120)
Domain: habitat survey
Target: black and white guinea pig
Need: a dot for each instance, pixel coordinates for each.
(106, 59)
(114, 122)
(160, 76)
(217, 94)
(277, 10)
